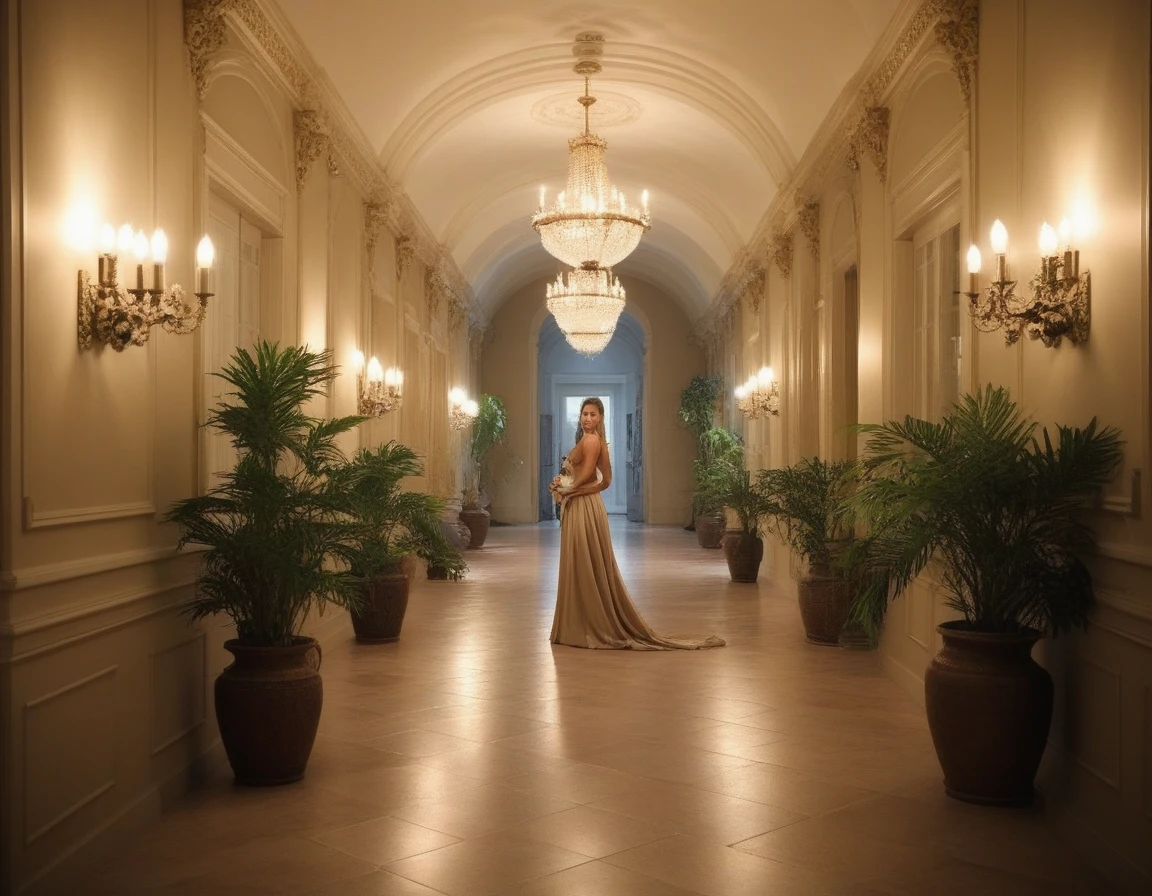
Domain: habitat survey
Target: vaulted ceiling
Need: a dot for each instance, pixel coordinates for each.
(708, 105)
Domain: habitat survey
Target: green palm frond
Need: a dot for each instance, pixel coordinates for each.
(994, 509)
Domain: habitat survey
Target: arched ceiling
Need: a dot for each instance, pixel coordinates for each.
(706, 105)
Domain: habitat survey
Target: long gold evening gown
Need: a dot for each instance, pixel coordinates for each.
(593, 608)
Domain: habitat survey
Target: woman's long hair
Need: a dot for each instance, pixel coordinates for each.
(599, 426)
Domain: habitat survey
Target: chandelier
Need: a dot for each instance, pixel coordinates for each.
(759, 396)
(586, 304)
(591, 224)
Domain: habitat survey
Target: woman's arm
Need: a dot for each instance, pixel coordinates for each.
(585, 471)
(586, 482)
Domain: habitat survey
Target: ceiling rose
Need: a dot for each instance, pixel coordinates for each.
(612, 110)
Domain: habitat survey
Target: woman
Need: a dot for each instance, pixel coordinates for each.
(592, 604)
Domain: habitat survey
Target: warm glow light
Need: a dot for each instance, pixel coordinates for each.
(393, 377)
(765, 376)
(974, 259)
(140, 245)
(1083, 220)
(81, 227)
(1047, 240)
(159, 247)
(543, 193)
(124, 237)
(357, 360)
(375, 371)
(999, 237)
(1065, 232)
(644, 200)
(471, 408)
(107, 239)
(457, 396)
(205, 253)
(741, 392)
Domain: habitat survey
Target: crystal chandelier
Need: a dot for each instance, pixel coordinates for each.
(759, 396)
(586, 304)
(591, 225)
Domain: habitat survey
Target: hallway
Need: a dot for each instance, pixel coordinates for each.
(474, 758)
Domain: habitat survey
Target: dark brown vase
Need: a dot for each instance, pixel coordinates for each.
(710, 530)
(824, 605)
(743, 551)
(268, 707)
(477, 522)
(989, 709)
(381, 614)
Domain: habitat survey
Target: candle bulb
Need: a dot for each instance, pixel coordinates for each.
(205, 255)
(124, 238)
(542, 194)
(358, 361)
(140, 250)
(999, 239)
(159, 257)
(107, 255)
(107, 239)
(973, 269)
(644, 201)
(375, 371)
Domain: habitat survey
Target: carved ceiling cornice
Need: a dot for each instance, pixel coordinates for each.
(955, 25)
(808, 220)
(781, 253)
(871, 136)
(328, 126)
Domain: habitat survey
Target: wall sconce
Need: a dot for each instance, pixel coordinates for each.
(760, 396)
(1059, 306)
(378, 391)
(121, 317)
(462, 409)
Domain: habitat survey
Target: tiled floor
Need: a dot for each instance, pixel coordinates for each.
(474, 758)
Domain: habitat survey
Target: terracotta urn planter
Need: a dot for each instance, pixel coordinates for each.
(824, 605)
(743, 551)
(268, 708)
(989, 709)
(381, 615)
(477, 520)
(710, 529)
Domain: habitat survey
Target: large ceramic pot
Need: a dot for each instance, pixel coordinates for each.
(989, 709)
(710, 529)
(381, 613)
(268, 707)
(743, 551)
(477, 521)
(824, 606)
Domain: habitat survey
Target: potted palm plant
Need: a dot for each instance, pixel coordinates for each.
(697, 412)
(487, 432)
(730, 486)
(809, 515)
(719, 448)
(994, 515)
(276, 535)
(397, 525)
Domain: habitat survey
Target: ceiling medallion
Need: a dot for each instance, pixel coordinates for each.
(612, 110)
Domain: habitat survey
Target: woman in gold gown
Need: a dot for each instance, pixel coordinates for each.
(593, 608)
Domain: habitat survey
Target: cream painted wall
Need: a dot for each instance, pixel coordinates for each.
(509, 368)
(1049, 131)
(105, 690)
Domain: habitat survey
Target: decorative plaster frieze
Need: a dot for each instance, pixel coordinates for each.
(375, 219)
(752, 288)
(434, 290)
(457, 314)
(263, 30)
(808, 219)
(871, 136)
(781, 253)
(958, 31)
(405, 252)
(205, 31)
(312, 141)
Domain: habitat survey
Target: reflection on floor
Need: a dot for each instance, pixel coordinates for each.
(474, 758)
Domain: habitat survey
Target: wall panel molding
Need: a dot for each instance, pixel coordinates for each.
(193, 702)
(51, 573)
(71, 517)
(229, 163)
(1110, 683)
(39, 820)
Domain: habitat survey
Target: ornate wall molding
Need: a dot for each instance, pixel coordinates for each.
(752, 287)
(434, 290)
(871, 136)
(312, 141)
(958, 31)
(375, 219)
(781, 253)
(405, 252)
(808, 219)
(205, 33)
(261, 28)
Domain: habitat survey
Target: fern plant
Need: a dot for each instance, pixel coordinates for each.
(395, 522)
(277, 530)
(996, 511)
(809, 512)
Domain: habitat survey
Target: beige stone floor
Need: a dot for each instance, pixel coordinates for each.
(475, 758)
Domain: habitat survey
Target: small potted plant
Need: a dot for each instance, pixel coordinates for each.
(719, 448)
(995, 516)
(275, 534)
(487, 432)
(396, 526)
(731, 486)
(809, 515)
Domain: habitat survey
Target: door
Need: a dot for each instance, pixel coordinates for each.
(547, 467)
